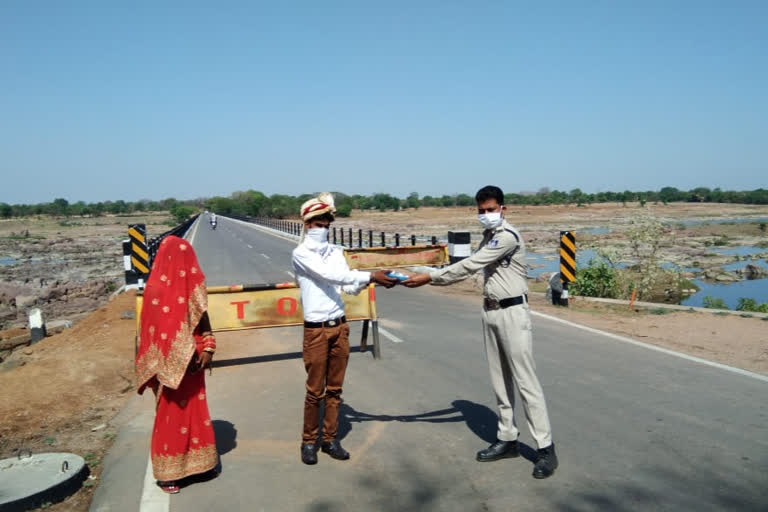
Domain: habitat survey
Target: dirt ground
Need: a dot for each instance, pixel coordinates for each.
(61, 394)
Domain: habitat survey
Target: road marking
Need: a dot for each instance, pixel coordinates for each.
(152, 498)
(624, 339)
(265, 255)
(290, 273)
(392, 337)
(194, 232)
(249, 246)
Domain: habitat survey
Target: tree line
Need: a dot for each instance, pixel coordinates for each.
(257, 204)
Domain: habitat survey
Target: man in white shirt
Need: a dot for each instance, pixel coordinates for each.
(322, 274)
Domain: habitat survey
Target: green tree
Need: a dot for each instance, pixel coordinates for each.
(465, 200)
(59, 206)
(412, 201)
(6, 210)
(181, 212)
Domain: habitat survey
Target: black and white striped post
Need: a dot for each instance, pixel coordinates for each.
(459, 245)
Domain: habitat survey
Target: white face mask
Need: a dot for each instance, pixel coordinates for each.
(319, 235)
(490, 220)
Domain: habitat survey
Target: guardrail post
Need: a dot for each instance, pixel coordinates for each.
(360, 238)
(334, 236)
(397, 239)
(413, 239)
(139, 254)
(370, 238)
(383, 239)
(434, 240)
(350, 238)
(342, 236)
(567, 263)
(459, 245)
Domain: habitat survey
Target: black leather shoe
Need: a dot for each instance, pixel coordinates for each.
(335, 450)
(546, 464)
(499, 450)
(309, 453)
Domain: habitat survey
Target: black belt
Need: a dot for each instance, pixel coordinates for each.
(491, 304)
(327, 323)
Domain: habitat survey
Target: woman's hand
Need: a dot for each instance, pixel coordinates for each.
(203, 361)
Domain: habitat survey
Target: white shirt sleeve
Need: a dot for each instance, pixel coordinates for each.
(335, 271)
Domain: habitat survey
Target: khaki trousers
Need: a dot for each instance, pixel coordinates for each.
(508, 345)
(325, 353)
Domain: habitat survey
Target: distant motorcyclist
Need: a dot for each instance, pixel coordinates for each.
(213, 221)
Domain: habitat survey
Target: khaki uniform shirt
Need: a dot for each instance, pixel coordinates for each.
(501, 255)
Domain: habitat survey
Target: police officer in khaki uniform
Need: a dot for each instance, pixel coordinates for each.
(506, 329)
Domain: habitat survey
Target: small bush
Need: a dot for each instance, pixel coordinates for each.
(659, 311)
(711, 302)
(596, 280)
(747, 304)
(723, 240)
(344, 210)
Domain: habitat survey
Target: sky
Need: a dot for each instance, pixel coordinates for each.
(149, 100)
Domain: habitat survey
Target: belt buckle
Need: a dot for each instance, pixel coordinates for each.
(491, 304)
(331, 323)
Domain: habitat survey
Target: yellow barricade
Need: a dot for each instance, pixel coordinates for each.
(397, 257)
(232, 308)
(235, 308)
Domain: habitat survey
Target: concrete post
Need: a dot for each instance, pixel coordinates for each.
(36, 325)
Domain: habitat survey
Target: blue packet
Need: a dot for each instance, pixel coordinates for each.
(397, 275)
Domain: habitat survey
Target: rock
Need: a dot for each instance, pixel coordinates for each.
(16, 341)
(727, 277)
(754, 271)
(128, 315)
(99, 427)
(25, 301)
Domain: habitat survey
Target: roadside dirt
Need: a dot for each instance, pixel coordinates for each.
(61, 394)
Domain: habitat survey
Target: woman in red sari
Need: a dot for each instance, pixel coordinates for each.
(175, 346)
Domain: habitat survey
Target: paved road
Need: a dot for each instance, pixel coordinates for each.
(635, 429)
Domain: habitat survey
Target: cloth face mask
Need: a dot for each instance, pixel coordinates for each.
(490, 220)
(319, 235)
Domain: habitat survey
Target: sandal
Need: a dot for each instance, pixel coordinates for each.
(169, 487)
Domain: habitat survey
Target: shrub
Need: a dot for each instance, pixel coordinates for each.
(344, 210)
(711, 302)
(747, 304)
(596, 280)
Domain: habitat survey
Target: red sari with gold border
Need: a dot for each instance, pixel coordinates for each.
(175, 301)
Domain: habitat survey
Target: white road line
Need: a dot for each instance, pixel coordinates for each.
(152, 498)
(265, 255)
(667, 351)
(194, 232)
(249, 246)
(289, 273)
(392, 337)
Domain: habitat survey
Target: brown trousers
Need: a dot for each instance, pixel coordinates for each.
(325, 352)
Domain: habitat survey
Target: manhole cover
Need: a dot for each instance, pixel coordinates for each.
(29, 481)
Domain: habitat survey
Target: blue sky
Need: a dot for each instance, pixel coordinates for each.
(162, 99)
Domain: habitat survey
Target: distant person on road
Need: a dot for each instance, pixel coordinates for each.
(213, 221)
(506, 329)
(175, 346)
(322, 274)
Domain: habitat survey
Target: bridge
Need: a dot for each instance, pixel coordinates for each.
(635, 428)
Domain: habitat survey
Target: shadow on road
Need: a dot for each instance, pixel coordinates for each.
(226, 436)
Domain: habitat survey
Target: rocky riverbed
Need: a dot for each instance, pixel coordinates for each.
(65, 267)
